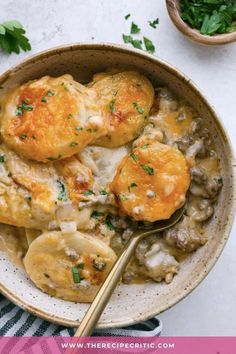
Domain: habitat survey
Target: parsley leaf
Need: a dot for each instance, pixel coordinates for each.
(23, 106)
(149, 45)
(136, 43)
(109, 223)
(127, 16)
(148, 169)
(12, 37)
(62, 195)
(138, 109)
(154, 23)
(134, 28)
(23, 136)
(2, 158)
(133, 184)
(103, 192)
(88, 192)
(134, 157)
(50, 93)
(112, 106)
(127, 38)
(76, 276)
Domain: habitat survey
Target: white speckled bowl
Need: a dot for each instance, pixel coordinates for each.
(130, 303)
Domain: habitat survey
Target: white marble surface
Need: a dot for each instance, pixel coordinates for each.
(211, 308)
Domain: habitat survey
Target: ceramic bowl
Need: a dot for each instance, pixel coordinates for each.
(130, 303)
(193, 34)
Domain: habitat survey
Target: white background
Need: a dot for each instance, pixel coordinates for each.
(211, 308)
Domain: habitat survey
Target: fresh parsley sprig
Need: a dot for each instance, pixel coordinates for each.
(12, 37)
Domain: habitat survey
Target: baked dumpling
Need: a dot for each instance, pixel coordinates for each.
(125, 99)
(151, 182)
(50, 118)
(28, 191)
(69, 266)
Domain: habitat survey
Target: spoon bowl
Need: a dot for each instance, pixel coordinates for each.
(100, 301)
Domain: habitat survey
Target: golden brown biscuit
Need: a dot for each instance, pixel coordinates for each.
(50, 118)
(125, 99)
(29, 191)
(151, 182)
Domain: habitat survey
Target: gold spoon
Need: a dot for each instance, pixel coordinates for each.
(101, 299)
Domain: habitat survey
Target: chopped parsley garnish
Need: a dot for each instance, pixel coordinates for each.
(132, 185)
(54, 158)
(145, 146)
(127, 38)
(148, 169)
(70, 116)
(149, 45)
(99, 264)
(76, 275)
(44, 100)
(88, 192)
(127, 16)
(23, 106)
(112, 106)
(12, 37)
(79, 128)
(134, 157)
(2, 158)
(50, 93)
(62, 195)
(138, 109)
(109, 223)
(103, 192)
(134, 28)
(96, 214)
(73, 143)
(23, 136)
(136, 43)
(154, 23)
(209, 16)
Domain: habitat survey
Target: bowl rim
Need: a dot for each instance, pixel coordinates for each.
(194, 34)
(228, 225)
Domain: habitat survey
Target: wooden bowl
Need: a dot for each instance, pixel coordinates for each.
(137, 302)
(193, 34)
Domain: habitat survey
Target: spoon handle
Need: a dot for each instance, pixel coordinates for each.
(101, 299)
